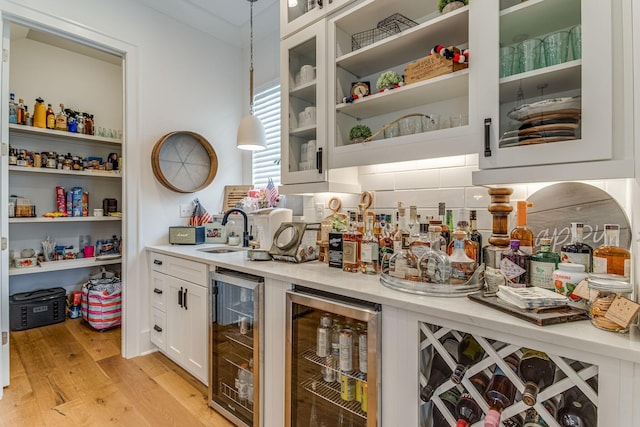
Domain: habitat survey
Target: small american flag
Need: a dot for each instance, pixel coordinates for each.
(200, 215)
(272, 193)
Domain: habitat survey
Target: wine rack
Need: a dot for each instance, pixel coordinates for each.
(569, 373)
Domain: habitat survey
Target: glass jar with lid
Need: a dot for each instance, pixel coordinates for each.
(603, 290)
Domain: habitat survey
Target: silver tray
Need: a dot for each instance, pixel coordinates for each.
(436, 289)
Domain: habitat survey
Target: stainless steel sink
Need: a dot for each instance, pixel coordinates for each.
(223, 249)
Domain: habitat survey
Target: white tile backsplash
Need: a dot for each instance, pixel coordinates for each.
(456, 177)
(378, 182)
(442, 163)
(429, 178)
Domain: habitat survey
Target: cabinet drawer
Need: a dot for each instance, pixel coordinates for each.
(159, 290)
(184, 269)
(158, 262)
(158, 334)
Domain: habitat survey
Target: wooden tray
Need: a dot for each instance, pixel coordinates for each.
(541, 316)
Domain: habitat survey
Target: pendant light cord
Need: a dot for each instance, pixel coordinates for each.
(251, 59)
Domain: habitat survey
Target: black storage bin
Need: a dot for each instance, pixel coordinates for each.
(37, 308)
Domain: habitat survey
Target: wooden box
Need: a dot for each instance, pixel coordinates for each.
(431, 66)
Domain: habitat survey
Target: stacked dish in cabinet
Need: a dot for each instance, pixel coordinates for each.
(469, 379)
(332, 361)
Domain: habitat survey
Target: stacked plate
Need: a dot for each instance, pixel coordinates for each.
(550, 120)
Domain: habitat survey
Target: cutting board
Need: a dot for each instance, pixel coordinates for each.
(541, 317)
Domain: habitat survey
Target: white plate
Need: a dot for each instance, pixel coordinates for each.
(525, 111)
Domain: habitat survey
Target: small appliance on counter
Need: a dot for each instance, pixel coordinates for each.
(266, 222)
(186, 235)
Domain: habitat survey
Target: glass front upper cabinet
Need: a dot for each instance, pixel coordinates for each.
(298, 14)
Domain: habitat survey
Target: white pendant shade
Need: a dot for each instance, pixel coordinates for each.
(251, 134)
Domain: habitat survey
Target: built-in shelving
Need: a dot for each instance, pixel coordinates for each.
(60, 220)
(50, 266)
(92, 173)
(63, 135)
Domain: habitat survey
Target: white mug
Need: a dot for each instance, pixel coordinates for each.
(311, 114)
(303, 119)
(311, 151)
(307, 73)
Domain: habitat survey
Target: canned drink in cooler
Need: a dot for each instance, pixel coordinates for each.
(347, 387)
(362, 352)
(364, 405)
(346, 350)
(361, 378)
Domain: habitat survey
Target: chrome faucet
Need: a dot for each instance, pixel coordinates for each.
(245, 231)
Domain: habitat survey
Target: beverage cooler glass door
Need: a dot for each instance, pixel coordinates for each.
(235, 346)
(332, 362)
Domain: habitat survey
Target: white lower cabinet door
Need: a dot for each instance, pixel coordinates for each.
(196, 332)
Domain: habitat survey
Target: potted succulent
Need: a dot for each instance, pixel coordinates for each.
(388, 80)
(448, 5)
(359, 133)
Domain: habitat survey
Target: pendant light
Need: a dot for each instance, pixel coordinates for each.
(251, 135)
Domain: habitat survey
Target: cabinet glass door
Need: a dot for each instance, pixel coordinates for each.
(332, 367)
(235, 355)
(304, 157)
(551, 63)
(298, 14)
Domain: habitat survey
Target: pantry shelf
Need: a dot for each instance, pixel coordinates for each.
(96, 174)
(64, 219)
(63, 135)
(72, 264)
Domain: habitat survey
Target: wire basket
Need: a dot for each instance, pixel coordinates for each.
(385, 28)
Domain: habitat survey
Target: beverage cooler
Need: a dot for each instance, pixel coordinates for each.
(235, 345)
(332, 360)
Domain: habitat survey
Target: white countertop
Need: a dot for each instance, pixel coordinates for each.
(579, 335)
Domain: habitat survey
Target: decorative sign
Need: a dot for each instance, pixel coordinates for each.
(555, 207)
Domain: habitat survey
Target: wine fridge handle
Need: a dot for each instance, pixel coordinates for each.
(487, 137)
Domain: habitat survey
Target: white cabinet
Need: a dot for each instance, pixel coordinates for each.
(304, 114)
(584, 138)
(179, 300)
(383, 35)
(298, 14)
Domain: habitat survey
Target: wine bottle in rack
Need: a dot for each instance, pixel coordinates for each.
(538, 371)
(467, 411)
(440, 372)
(469, 352)
(577, 410)
(500, 392)
(449, 398)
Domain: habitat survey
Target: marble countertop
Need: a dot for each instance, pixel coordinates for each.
(580, 335)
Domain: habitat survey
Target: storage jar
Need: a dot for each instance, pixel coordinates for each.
(566, 277)
(603, 290)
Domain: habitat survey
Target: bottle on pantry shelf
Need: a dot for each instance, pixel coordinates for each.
(500, 392)
(462, 266)
(323, 336)
(542, 265)
(50, 117)
(434, 264)
(469, 352)
(404, 264)
(442, 212)
(88, 125)
(474, 235)
(538, 371)
(522, 232)
(39, 114)
(515, 265)
(577, 410)
(610, 258)
(80, 123)
(61, 119)
(22, 120)
(440, 372)
(577, 251)
(72, 122)
(369, 250)
(385, 244)
(27, 117)
(13, 109)
(351, 241)
(450, 399)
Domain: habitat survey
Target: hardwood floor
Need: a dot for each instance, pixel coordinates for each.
(70, 375)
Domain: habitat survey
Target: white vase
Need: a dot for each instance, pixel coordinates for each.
(452, 6)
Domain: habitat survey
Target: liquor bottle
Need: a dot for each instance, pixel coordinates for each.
(441, 240)
(80, 123)
(51, 118)
(385, 245)
(500, 392)
(61, 119)
(435, 266)
(351, 241)
(474, 235)
(22, 120)
(323, 336)
(470, 247)
(469, 352)
(467, 411)
(420, 245)
(13, 109)
(515, 264)
(577, 251)
(542, 265)
(377, 225)
(360, 225)
(440, 372)
(538, 372)
(610, 258)
(88, 125)
(401, 227)
(462, 266)
(577, 410)
(413, 226)
(27, 117)
(404, 264)
(521, 231)
(369, 250)
(443, 223)
(449, 222)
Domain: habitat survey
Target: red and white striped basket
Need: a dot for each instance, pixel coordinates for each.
(102, 303)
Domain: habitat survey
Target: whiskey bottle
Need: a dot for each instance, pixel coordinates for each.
(515, 265)
(610, 258)
(577, 251)
(61, 119)
(474, 235)
(369, 250)
(435, 266)
(462, 266)
(51, 118)
(542, 266)
(521, 232)
(538, 371)
(421, 244)
(401, 228)
(351, 241)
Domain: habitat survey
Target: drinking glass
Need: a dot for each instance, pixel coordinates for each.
(407, 126)
(529, 55)
(303, 151)
(430, 122)
(392, 131)
(556, 48)
(506, 61)
(576, 41)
